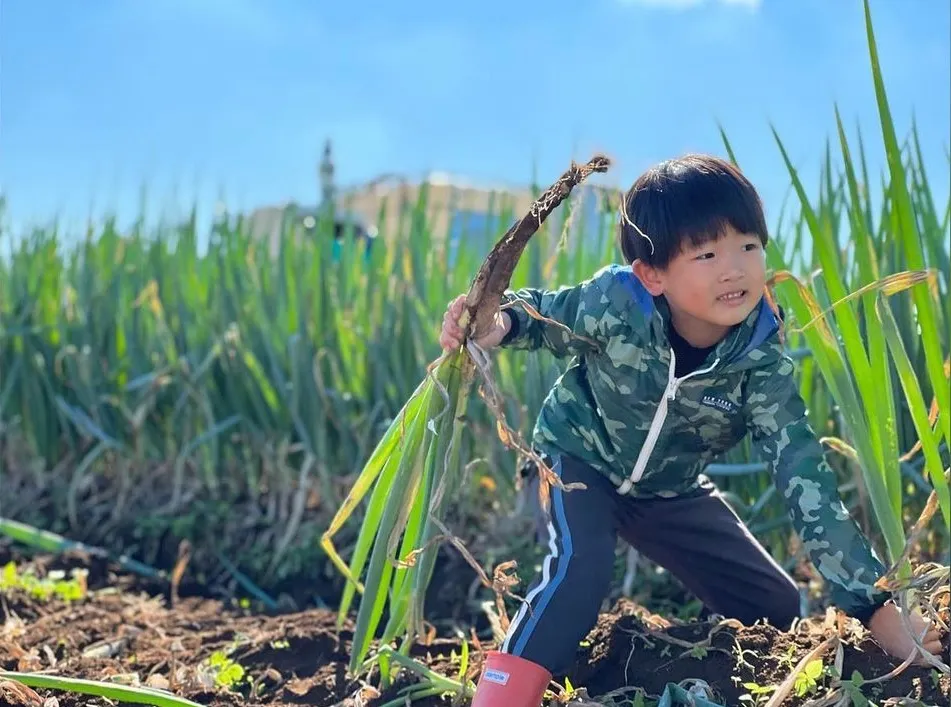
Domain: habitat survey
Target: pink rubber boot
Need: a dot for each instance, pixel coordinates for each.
(510, 681)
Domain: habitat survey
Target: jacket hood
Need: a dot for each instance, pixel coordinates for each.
(750, 344)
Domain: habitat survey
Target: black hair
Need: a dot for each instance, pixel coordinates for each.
(687, 201)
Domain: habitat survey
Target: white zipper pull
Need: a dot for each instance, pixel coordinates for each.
(673, 390)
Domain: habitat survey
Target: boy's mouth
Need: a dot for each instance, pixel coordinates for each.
(732, 297)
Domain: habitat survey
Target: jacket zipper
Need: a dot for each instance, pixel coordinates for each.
(670, 392)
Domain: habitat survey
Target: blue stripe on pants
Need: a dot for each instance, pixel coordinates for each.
(549, 591)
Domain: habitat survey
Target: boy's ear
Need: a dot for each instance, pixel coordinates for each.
(652, 278)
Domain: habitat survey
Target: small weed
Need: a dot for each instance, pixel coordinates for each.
(740, 653)
(623, 698)
(853, 688)
(55, 583)
(808, 680)
(698, 652)
(757, 693)
(788, 661)
(225, 672)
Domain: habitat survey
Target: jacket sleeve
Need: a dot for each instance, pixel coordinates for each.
(776, 415)
(576, 313)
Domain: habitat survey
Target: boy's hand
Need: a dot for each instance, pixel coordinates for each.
(451, 336)
(888, 629)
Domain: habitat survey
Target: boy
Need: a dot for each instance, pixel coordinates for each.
(675, 358)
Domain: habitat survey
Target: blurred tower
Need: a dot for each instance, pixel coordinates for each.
(327, 177)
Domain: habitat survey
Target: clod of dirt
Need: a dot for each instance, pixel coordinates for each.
(13, 694)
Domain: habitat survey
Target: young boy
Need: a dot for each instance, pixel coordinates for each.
(674, 359)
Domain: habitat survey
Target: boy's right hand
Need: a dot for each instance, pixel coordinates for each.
(451, 336)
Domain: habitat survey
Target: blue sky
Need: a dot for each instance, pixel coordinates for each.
(198, 98)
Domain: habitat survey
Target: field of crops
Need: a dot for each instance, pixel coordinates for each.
(182, 425)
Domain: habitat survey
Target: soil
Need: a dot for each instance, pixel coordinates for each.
(125, 629)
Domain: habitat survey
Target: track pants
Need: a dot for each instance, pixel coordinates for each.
(698, 538)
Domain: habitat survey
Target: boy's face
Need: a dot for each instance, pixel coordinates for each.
(711, 288)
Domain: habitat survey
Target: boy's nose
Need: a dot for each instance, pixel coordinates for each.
(732, 269)
(730, 274)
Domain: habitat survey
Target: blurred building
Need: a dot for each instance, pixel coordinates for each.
(454, 207)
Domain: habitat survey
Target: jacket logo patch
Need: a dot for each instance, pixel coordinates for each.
(719, 403)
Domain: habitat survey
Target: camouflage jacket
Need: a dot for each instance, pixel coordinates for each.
(619, 408)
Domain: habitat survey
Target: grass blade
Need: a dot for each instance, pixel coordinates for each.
(121, 693)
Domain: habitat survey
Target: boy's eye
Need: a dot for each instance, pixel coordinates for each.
(704, 256)
(752, 246)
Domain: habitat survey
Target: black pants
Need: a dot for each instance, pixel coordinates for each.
(698, 538)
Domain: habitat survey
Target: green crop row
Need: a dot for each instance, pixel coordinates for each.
(158, 385)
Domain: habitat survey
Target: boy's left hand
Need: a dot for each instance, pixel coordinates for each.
(888, 629)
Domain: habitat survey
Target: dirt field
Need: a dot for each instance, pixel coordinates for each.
(124, 629)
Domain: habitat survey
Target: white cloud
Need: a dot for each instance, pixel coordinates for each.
(687, 4)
